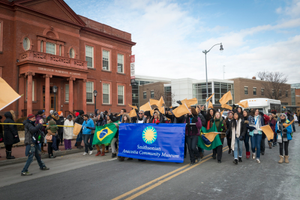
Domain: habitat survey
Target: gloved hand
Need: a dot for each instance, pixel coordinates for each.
(242, 138)
(284, 130)
(157, 123)
(278, 131)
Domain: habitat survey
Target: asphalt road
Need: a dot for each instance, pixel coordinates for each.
(89, 177)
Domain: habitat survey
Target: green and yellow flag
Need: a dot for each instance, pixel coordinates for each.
(104, 134)
(209, 139)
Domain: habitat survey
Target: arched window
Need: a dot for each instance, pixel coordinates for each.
(42, 46)
(72, 53)
(26, 44)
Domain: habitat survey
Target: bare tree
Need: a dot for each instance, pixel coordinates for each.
(274, 84)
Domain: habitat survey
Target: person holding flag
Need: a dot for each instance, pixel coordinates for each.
(221, 127)
(193, 124)
(87, 127)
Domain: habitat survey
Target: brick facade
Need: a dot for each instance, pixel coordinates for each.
(241, 83)
(53, 22)
(157, 88)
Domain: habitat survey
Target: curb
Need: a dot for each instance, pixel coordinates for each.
(44, 156)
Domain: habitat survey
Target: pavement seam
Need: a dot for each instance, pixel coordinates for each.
(159, 181)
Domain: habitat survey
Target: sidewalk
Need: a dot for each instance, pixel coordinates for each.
(19, 154)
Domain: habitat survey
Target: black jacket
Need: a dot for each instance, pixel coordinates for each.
(60, 121)
(10, 131)
(242, 126)
(30, 130)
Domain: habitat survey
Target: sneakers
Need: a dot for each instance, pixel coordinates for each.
(235, 161)
(98, 153)
(219, 161)
(270, 145)
(257, 160)
(253, 156)
(85, 153)
(240, 159)
(248, 154)
(44, 168)
(25, 174)
(91, 152)
(229, 151)
(102, 154)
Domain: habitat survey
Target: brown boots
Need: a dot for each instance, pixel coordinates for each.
(286, 159)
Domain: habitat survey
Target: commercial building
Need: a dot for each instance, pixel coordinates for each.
(57, 59)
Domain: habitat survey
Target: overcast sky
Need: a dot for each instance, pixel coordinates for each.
(257, 35)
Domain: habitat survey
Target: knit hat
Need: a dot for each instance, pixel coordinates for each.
(51, 112)
(77, 114)
(60, 113)
(69, 117)
(30, 116)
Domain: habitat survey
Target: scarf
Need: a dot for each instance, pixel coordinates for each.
(192, 129)
(236, 131)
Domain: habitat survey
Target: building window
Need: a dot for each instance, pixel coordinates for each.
(273, 92)
(59, 50)
(286, 93)
(50, 48)
(32, 90)
(106, 93)
(120, 95)
(89, 92)
(144, 95)
(280, 93)
(26, 44)
(67, 93)
(152, 94)
(254, 91)
(246, 90)
(72, 53)
(105, 60)
(120, 63)
(42, 46)
(262, 92)
(89, 56)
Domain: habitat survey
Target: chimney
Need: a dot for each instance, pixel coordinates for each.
(254, 77)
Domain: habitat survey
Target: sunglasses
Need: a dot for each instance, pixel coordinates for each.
(140, 113)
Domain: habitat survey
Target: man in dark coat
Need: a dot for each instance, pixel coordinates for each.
(10, 135)
(60, 121)
(79, 120)
(31, 142)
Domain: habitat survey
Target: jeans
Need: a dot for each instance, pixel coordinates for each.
(294, 128)
(255, 143)
(32, 150)
(87, 145)
(238, 148)
(246, 141)
(286, 148)
(192, 142)
(91, 140)
(79, 138)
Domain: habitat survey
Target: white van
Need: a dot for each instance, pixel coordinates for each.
(264, 105)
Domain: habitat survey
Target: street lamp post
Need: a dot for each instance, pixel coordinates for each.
(95, 95)
(205, 52)
(54, 88)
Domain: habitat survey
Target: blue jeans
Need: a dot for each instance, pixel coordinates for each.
(87, 145)
(91, 140)
(32, 150)
(79, 138)
(255, 143)
(238, 148)
(246, 141)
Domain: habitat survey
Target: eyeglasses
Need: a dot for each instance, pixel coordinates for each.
(140, 113)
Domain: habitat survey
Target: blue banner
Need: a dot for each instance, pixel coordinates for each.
(162, 142)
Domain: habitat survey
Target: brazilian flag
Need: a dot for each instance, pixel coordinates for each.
(104, 134)
(211, 142)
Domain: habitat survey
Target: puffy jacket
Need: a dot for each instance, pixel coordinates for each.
(10, 131)
(30, 130)
(289, 129)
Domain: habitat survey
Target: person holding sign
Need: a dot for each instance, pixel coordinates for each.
(283, 130)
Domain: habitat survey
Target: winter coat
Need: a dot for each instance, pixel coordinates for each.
(30, 130)
(88, 123)
(242, 131)
(60, 121)
(272, 124)
(228, 127)
(49, 132)
(68, 131)
(222, 127)
(288, 133)
(192, 130)
(10, 131)
(37, 121)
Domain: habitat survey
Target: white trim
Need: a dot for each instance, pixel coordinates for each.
(10, 103)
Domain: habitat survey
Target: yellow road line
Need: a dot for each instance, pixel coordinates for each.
(161, 177)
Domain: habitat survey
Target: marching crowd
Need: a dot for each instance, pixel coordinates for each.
(240, 128)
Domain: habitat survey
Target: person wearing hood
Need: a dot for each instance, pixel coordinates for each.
(68, 132)
(51, 132)
(79, 120)
(10, 134)
(283, 137)
(32, 132)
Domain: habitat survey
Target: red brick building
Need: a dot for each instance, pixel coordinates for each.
(44, 43)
